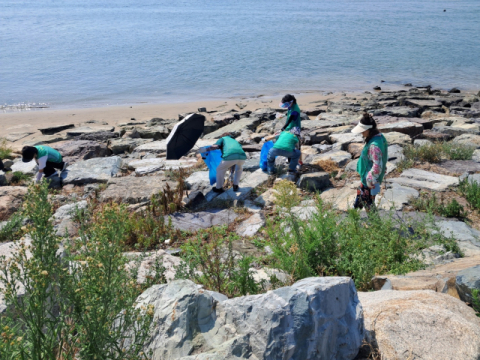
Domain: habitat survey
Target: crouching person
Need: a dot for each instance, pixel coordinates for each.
(49, 160)
(286, 145)
(232, 156)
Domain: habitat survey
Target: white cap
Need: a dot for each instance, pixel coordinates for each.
(361, 128)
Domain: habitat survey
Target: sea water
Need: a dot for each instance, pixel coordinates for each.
(98, 52)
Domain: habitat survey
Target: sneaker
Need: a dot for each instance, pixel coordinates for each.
(218, 191)
(235, 187)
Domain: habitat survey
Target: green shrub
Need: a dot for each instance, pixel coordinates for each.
(456, 151)
(360, 248)
(5, 151)
(471, 191)
(12, 230)
(19, 178)
(80, 306)
(431, 204)
(286, 194)
(210, 261)
(436, 152)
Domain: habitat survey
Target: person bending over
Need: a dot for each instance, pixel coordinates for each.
(49, 160)
(286, 145)
(232, 155)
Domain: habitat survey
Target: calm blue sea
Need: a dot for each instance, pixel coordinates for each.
(99, 52)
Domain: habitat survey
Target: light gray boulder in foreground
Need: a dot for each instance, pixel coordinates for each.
(397, 196)
(97, 170)
(425, 180)
(422, 325)
(467, 238)
(316, 318)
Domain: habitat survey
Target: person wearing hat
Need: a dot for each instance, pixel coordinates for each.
(372, 163)
(285, 145)
(232, 156)
(293, 113)
(49, 160)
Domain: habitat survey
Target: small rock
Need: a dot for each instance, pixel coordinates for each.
(314, 181)
(202, 109)
(454, 91)
(55, 129)
(251, 226)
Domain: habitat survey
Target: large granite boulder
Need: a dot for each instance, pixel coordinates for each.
(98, 170)
(420, 325)
(199, 180)
(251, 226)
(134, 190)
(11, 198)
(316, 318)
(73, 151)
(160, 146)
(340, 198)
(154, 132)
(396, 138)
(29, 168)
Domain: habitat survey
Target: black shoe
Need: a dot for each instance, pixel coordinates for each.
(235, 187)
(218, 191)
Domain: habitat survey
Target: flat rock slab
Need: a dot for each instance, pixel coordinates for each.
(246, 186)
(236, 127)
(201, 220)
(98, 170)
(396, 138)
(455, 131)
(425, 180)
(460, 166)
(29, 168)
(199, 180)
(11, 198)
(468, 239)
(73, 151)
(88, 130)
(267, 198)
(421, 325)
(339, 157)
(120, 146)
(397, 111)
(397, 196)
(45, 139)
(147, 166)
(157, 147)
(134, 190)
(55, 129)
(68, 211)
(251, 226)
(423, 103)
(343, 140)
(435, 136)
(17, 136)
(341, 198)
(405, 127)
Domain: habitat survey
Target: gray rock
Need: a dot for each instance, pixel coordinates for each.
(199, 180)
(120, 146)
(154, 132)
(314, 181)
(304, 212)
(476, 156)
(322, 148)
(397, 111)
(425, 180)
(250, 227)
(55, 129)
(67, 211)
(405, 127)
(157, 147)
(30, 168)
(460, 166)
(17, 136)
(397, 196)
(11, 198)
(322, 317)
(423, 104)
(456, 130)
(99, 136)
(73, 151)
(246, 186)
(201, 220)
(341, 141)
(194, 199)
(134, 190)
(468, 139)
(3, 179)
(466, 237)
(89, 130)
(422, 142)
(339, 157)
(98, 170)
(467, 281)
(236, 128)
(45, 139)
(396, 138)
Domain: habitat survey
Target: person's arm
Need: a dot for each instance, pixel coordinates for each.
(376, 157)
(42, 163)
(293, 117)
(218, 145)
(271, 137)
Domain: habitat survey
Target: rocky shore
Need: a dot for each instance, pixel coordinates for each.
(425, 314)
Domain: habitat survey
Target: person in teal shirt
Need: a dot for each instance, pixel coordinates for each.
(293, 113)
(286, 145)
(232, 156)
(372, 163)
(49, 160)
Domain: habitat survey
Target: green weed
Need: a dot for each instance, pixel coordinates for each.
(430, 204)
(12, 230)
(19, 178)
(286, 194)
(436, 152)
(5, 151)
(471, 191)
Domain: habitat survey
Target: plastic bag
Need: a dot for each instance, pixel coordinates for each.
(212, 159)
(264, 153)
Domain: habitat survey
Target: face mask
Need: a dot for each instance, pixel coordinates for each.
(286, 105)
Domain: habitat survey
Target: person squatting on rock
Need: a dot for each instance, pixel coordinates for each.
(372, 162)
(286, 144)
(49, 160)
(293, 114)
(232, 156)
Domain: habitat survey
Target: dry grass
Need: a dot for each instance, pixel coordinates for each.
(327, 165)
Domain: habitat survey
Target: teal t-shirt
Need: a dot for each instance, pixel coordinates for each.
(286, 141)
(231, 149)
(53, 155)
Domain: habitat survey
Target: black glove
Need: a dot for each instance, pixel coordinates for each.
(283, 128)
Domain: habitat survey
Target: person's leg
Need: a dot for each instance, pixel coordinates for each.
(238, 171)
(295, 155)
(271, 159)
(49, 169)
(221, 170)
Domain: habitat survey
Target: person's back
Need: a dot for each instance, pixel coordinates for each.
(231, 149)
(286, 141)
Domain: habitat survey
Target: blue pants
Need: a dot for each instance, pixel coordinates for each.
(293, 155)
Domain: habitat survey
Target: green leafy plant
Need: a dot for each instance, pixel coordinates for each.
(471, 191)
(436, 152)
(286, 195)
(430, 203)
(5, 151)
(19, 178)
(12, 230)
(350, 246)
(456, 151)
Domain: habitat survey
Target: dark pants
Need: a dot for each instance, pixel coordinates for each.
(1, 165)
(52, 168)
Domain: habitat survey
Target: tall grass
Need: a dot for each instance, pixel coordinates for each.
(5, 151)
